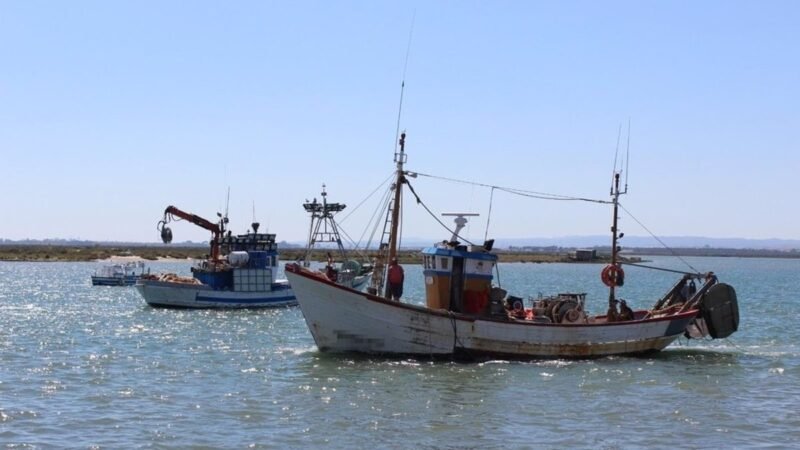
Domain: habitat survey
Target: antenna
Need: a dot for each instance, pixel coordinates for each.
(403, 82)
(255, 224)
(616, 154)
(627, 155)
(227, 204)
(461, 222)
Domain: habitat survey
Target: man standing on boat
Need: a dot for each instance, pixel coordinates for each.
(396, 278)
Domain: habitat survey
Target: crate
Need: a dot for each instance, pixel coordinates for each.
(252, 280)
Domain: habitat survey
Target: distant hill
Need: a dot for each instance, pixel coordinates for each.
(649, 242)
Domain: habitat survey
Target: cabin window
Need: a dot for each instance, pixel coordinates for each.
(443, 263)
(433, 262)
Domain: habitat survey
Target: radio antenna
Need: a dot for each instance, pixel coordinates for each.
(403, 81)
(627, 155)
(227, 202)
(616, 154)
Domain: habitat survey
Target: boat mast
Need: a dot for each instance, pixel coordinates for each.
(394, 236)
(614, 237)
(322, 217)
(615, 234)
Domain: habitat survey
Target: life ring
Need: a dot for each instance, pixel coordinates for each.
(612, 275)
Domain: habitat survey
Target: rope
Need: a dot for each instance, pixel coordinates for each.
(520, 192)
(411, 188)
(657, 238)
(368, 197)
(489, 216)
(456, 339)
(375, 216)
(694, 274)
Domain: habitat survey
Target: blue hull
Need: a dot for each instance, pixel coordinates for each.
(114, 281)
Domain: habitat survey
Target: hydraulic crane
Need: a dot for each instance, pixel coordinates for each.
(216, 229)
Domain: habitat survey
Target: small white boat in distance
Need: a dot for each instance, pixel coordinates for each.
(118, 274)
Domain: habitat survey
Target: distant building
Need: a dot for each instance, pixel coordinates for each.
(583, 254)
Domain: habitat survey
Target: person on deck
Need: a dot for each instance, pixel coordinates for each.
(396, 278)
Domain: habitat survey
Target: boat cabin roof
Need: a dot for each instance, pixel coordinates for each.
(249, 242)
(463, 251)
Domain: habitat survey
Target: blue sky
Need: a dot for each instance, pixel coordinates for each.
(110, 111)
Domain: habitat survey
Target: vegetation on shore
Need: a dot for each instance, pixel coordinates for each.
(32, 252)
(55, 253)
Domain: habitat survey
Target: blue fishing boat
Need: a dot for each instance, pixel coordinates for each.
(241, 272)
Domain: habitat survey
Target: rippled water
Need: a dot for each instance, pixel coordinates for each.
(84, 366)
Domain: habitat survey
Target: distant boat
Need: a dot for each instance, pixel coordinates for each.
(466, 316)
(118, 274)
(324, 229)
(241, 272)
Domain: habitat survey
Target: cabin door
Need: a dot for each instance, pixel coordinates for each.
(457, 285)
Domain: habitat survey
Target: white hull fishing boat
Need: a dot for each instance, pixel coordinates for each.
(466, 316)
(240, 273)
(324, 229)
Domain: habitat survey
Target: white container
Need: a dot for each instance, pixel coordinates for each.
(238, 259)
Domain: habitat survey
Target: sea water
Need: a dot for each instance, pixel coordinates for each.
(95, 367)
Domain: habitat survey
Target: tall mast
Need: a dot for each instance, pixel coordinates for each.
(322, 217)
(394, 237)
(614, 236)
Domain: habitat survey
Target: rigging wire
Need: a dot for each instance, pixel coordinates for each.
(419, 201)
(489, 216)
(658, 239)
(520, 192)
(367, 197)
(628, 155)
(354, 244)
(400, 233)
(382, 206)
(694, 274)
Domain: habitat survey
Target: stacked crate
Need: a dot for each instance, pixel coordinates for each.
(252, 280)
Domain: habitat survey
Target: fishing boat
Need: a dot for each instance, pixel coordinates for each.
(324, 228)
(241, 271)
(118, 274)
(465, 315)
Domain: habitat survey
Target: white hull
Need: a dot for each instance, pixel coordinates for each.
(181, 295)
(345, 320)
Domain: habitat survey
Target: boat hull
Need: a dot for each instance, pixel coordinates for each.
(183, 295)
(345, 320)
(129, 280)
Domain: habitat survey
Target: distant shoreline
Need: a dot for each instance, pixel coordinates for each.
(111, 253)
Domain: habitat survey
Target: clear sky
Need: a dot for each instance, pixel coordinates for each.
(112, 110)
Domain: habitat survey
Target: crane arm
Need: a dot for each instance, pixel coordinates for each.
(215, 229)
(195, 219)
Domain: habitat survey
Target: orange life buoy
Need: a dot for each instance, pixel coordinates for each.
(612, 275)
